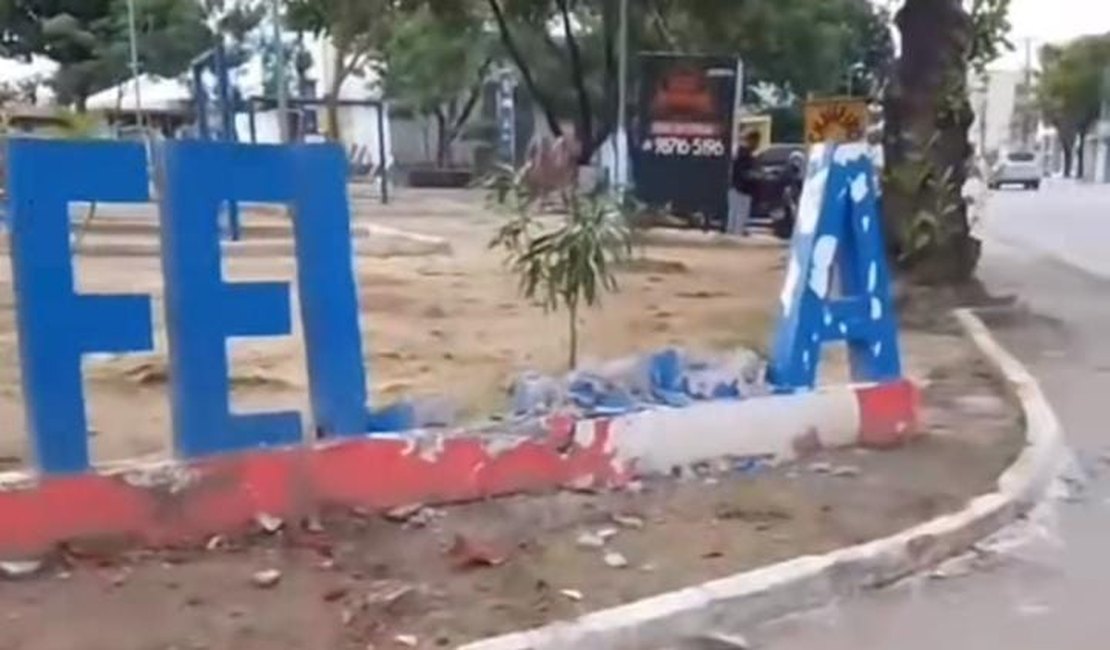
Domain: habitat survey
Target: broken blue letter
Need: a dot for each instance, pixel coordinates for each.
(837, 285)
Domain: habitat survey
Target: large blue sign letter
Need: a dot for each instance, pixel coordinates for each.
(203, 311)
(56, 326)
(837, 284)
(329, 297)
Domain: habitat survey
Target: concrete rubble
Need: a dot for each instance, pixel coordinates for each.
(670, 377)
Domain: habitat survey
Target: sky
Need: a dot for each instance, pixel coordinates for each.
(1052, 21)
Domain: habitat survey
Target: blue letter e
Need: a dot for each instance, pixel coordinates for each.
(203, 311)
(56, 326)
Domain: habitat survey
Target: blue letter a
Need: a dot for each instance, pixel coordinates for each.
(837, 285)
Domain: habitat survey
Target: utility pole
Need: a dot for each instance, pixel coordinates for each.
(984, 110)
(1026, 105)
(279, 73)
(132, 35)
(621, 148)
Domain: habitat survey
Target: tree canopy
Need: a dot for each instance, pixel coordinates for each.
(90, 42)
(798, 47)
(435, 65)
(1073, 85)
(357, 29)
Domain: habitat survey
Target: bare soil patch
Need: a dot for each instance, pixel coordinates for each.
(440, 577)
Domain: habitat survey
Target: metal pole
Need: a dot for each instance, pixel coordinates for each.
(1027, 96)
(251, 122)
(383, 166)
(201, 99)
(223, 88)
(279, 73)
(621, 148)
(134, 61)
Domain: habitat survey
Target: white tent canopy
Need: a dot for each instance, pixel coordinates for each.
(155, 93)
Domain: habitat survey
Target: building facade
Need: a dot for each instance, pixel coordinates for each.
(994, 97)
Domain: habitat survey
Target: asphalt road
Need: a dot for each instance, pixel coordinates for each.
(1050, 591)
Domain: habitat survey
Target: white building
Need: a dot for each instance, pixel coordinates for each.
(993, 97)
(358, 124)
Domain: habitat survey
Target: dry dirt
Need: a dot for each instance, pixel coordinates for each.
(454, 325)
(448, 325)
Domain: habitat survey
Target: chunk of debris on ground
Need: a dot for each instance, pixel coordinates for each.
(615, 560)
(467, 553)
(266, 578)
(20, 568)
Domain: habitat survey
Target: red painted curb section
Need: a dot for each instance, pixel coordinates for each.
(889, 414)
(178, 503)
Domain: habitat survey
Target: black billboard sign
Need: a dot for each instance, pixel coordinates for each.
(684, 143)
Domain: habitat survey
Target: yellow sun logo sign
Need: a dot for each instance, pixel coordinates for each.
(836, 120)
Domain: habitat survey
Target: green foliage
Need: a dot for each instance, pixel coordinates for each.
(565, 52)
(170, 33)
(1072, 85)
(568, 265)
(435, 65)
(990, 31)
(357, 29)
(89, 39)
(77, 126)
(798, 47)
(935, 193)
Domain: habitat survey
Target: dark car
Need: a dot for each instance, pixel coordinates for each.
(778, 174)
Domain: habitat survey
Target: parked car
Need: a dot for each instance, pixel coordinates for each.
(1018, 168)
(779, 172)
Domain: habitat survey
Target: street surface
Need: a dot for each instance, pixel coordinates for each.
(1052, 248)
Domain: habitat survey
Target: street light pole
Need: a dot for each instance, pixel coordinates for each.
(135, 61)
(620, 150)
(279, 73)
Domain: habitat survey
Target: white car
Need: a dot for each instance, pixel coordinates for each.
(1018, 168)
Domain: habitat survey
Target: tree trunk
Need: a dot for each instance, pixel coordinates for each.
(525, 71)
(443, 139)
(1069, 149)
(1081, 157)
(332, 108)
(585, 122)
(343, 67)
(926, 145)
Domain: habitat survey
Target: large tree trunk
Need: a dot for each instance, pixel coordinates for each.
(926, 145)
(331, 105)
(525, 70)
(345, 63)
(584, 121)
(443, 139)
(1081, 157)
(1069, 150)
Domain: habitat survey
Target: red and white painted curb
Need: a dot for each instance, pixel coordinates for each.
(732, 603)
(176, 502)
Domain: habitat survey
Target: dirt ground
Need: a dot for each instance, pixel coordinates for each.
(440, 577)
(439, 325)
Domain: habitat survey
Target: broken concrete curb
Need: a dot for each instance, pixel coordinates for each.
(745, 599)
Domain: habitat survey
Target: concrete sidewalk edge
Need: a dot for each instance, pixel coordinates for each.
(744, 599)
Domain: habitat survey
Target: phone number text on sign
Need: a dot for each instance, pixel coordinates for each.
(677, 146)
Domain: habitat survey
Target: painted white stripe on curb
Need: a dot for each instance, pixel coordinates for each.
(658, 439)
